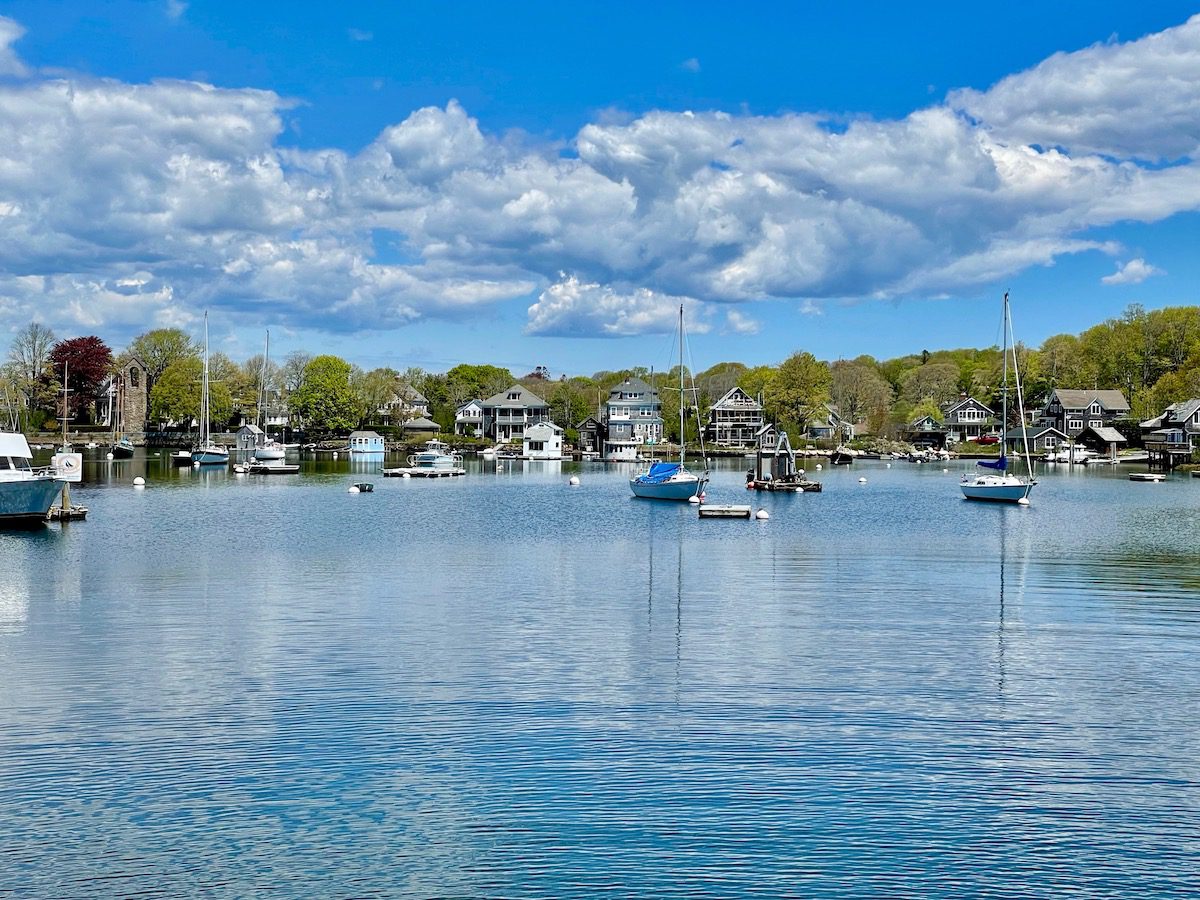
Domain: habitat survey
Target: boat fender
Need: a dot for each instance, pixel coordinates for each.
(749, 485)
(762, 514)
(862, 481)
(353, 489)
(574, 482)
(693, 499)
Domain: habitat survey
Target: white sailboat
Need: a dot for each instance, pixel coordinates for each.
(671, 480)
(271, 450)
(999, 484)
(207, 453)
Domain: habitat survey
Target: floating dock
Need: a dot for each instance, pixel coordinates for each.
(781, 484)
(415, 472)
(267, 469)
(1147, 476)
(724, 511)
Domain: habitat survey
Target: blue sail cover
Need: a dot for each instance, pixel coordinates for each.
(1001, 463)
(659, 472)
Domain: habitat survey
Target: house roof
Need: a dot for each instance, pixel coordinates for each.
(1107, 434)
(950, 407)
(542, 424)
(631, 385)
(409, 394)
(422, 424)
(252, 428)
(365, 434)
(463, 406)
(1185, 410)
(1070, 398)
(744, 399)
(1034, 432)
(524, 399)
(594, 423)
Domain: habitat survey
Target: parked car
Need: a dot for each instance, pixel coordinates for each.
(987, 439)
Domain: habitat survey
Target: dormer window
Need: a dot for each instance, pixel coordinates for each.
(514, 395)
(1095, 408)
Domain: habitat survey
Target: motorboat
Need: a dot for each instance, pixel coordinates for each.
(26, 492)
(436, 455)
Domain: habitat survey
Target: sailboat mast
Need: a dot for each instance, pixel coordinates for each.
(681, 441)
(262, 382)
(1004, 327)
(204, 389)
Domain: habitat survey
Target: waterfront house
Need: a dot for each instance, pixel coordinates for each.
(734, 419)
(591, 434)
(1071, 411)
(828, 425)
(632, 419)
(366, 443)
(1181, 419)
(468, 419)
(406, 403)
(249, 437)
(507, 414)
(1105, 441)
(925, 432)
(966, 419)
(542, 440)
(1043, 438)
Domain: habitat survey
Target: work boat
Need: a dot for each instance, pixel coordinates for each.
(999, 484)
(436, 455)
(671, 480)
(26, 493)
(269, 450)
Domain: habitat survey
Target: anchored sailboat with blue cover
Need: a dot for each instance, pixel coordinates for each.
(671, 480)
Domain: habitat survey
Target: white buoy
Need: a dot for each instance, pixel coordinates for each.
(799, 471)
(944, 471)
(862, 481)
(762, 514)
(1024, 501)
(335, 454)
(108, 456)
(195, 465)
(888, 466)
(818, 467)
(574, 482)
(139, 481)
(693, 499)
(353, 489)
(499, 468)
(406, 475)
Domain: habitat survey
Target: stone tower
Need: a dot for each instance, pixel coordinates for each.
(133, 385)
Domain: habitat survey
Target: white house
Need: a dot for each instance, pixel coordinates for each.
(468, 419)
(543, 440)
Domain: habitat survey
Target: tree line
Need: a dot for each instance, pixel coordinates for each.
(1153, 357)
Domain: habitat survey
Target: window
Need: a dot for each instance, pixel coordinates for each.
(1074, 424)
(513, 395)
(537, 445)
(1095, 410)
(134, 377)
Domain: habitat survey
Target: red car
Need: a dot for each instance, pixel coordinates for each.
(987, 439)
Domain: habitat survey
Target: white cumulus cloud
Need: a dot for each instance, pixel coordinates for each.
(10, 63)
(1133, 272)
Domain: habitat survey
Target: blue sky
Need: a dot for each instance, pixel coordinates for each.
(426, 184)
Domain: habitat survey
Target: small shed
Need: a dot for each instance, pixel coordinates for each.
(250, 437)
(543, 440)
(366, 443)
(1103, 439)
(1042, 439)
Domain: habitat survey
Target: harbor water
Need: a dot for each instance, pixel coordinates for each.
(501, 685)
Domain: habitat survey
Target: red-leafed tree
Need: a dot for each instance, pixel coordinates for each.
(88, 361)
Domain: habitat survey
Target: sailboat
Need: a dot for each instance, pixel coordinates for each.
(206, 452)
(121, 447)
(999, 484)
(671, 480)
(271, 450)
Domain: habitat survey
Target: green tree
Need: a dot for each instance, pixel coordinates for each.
(324, 401)
(176, 396)
(800, 387)
(860, 392)
(161, 347)
(936, 381)
(28, 360)
(372, 391)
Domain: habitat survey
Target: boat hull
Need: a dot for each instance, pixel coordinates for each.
(675, 489)
(997, 490)
(269, 453)
(28, 500)
(209, 456)
(121, 451)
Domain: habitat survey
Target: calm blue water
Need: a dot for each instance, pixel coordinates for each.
(503, 686)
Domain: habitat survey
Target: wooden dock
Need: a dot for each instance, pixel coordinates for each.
(724, 511)
(414, 472)
(785, 485)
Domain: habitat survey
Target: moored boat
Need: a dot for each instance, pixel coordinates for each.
(26, 493)
(671, 480)
(998, 484)
(436, 455)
